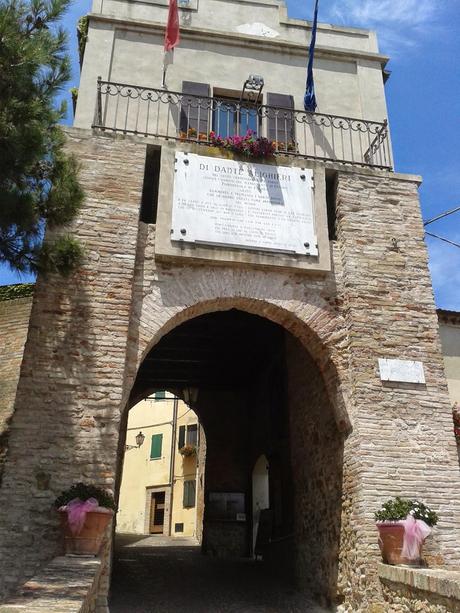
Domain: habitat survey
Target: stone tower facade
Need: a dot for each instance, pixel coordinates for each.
(350, 437)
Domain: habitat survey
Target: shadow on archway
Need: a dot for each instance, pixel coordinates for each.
(260, 393)
(149, 577)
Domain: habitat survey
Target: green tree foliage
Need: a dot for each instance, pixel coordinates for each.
(18, 290)
(38, 180)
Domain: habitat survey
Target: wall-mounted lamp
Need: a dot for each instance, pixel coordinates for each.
(140, 438)
(190, 395)
(252, 88)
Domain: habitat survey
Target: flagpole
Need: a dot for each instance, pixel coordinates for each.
(163, 80)
(310, 98)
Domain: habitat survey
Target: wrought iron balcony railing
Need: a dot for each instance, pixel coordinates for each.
(181, 116)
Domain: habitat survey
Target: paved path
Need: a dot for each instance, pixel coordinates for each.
(160, 575)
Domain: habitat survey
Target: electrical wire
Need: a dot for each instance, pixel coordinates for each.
(441, 238)
(425, 223)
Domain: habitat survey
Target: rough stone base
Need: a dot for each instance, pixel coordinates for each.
(410, 590)
(67, 584)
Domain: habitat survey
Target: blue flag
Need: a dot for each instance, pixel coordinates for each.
(309, 100)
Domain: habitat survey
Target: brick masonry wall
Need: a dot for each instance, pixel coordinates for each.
(14, 323)
(405, 440)
(67, 413)
(88, 335)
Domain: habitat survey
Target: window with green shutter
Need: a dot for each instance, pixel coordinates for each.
(189, 493)
(155, 449)
(159, 395)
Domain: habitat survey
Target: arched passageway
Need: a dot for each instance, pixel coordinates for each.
(257, 392)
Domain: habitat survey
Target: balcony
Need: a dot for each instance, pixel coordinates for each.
(160, 113)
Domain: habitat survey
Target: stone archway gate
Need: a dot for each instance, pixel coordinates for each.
(88, 335)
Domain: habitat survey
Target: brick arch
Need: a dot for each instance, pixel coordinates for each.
(314, 323)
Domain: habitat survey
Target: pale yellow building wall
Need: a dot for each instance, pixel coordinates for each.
(141, 473)
(450, 340)
(185, 469)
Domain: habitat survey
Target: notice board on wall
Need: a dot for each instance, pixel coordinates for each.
(231, 203)
(226, 506)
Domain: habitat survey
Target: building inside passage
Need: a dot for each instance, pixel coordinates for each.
(285, 299)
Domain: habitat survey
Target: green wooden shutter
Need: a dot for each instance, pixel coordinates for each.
(160, 395)
(155, 449)
(189, 493)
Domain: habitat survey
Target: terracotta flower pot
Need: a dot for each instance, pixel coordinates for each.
(391, 540)
(89, 540)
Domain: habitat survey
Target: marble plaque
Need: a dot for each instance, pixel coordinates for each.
(243, 204)
(401, 371)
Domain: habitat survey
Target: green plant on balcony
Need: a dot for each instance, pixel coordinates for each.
(191, 134)
(74, 94)
(82, 36)
(289, 146)
(456, 418)
(188, 451)
(250, 145)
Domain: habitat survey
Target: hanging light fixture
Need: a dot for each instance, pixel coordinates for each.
(252, 88)
(140, 438)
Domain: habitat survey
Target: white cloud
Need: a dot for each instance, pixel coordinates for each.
(403, 13)
(400, 24)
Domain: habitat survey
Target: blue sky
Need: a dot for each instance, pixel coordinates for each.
(423, 96)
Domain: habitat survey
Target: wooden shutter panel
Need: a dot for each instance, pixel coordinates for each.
(192, 434)
(156, 447)
(189, 493)
(280, 123)
(192, 113)
(181, 440)
(160, 395)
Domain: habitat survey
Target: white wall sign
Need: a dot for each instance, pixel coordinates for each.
(241, 204)
(401, 371)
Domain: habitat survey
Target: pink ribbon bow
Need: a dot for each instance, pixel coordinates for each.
(76, 513)
(415, 532)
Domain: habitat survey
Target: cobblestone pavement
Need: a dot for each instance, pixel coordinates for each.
(156, 574)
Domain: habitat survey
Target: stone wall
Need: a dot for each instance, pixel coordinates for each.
(317, 460)
(411, 590)
(69, 584)
(89, 334)
(14, 324)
